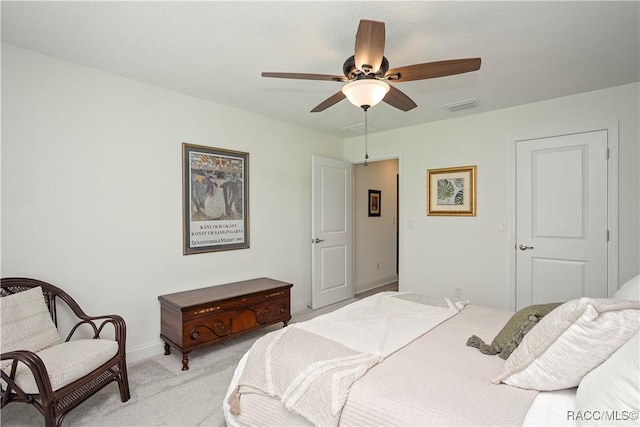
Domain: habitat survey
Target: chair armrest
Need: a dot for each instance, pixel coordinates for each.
(97, 324)
(33, 362)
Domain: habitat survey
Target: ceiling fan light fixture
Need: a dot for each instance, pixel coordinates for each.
(365, 92)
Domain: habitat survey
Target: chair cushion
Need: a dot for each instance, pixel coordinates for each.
(25, 322)
(68, 362)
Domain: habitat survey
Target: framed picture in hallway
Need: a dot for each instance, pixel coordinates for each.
(374, 202)
(451, 191)
(215, 199)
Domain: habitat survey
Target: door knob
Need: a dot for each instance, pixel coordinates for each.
(524, 247)
(316, 240)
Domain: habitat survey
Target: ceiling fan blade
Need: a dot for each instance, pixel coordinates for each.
(431, 70)
(306, 76)
(369, 48)
(396, 98)
(332, 100)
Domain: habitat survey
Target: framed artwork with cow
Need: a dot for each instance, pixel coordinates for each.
(215, 185)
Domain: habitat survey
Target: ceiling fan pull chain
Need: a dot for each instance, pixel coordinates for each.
(366, 144)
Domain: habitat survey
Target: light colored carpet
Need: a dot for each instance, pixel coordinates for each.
(161, 393)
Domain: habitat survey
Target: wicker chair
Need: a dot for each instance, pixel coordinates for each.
(49, 378)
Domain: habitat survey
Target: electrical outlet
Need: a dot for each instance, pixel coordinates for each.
(457, 292)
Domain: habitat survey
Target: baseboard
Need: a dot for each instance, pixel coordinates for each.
(358, 289)
(300, 306)
(145, 351)
(364, 287)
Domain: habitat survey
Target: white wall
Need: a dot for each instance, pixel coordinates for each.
(92, 196)
(92, 199)
(375, 237)
(439, 254)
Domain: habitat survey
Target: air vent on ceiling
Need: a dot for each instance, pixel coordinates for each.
(462, 105)
(357, 128)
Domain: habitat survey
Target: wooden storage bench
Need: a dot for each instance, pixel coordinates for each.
(200, 317)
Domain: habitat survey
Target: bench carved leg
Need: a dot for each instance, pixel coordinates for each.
(167, 349)
(185, 362)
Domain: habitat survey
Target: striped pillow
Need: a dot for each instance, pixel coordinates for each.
(569, 342)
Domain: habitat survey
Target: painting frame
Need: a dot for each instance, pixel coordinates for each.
(374, 200)
(215, 199)
(451, 191)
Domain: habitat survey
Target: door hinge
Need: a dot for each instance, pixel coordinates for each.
(607, 235)
(607, 154)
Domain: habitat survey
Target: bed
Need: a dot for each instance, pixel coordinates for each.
(398, 358)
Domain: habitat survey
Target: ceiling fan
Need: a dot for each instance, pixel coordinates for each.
(369, 67)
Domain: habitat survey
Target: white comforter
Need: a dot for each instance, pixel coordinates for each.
(383, 323)
(310, 367)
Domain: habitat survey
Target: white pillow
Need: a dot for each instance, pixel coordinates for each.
(610, 394)
(630, 290)
(569, 342)
(25, 322)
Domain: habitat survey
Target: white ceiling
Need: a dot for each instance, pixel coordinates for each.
(216, 50)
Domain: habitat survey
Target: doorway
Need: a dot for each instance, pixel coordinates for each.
(376, 234)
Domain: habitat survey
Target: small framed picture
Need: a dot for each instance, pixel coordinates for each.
(374, 202)
(451, 191)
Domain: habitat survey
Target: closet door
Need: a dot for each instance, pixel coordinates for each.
(561, 218)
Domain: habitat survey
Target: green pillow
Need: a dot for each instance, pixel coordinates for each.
(512, 333)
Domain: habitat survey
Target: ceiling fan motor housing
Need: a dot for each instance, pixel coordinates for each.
(352, 73)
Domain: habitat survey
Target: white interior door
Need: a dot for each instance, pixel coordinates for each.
(561, 218)
(332, 236)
